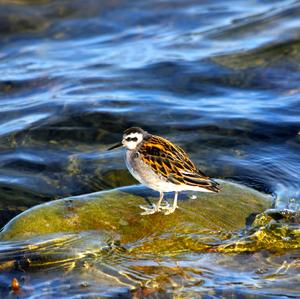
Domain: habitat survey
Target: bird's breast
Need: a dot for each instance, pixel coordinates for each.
(141, 171)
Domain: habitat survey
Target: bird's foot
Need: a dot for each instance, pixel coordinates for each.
(149, 210)
(153, 208)
(170, 210)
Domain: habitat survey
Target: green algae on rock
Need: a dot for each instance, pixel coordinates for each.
(100, 241)
(118, 211)
(271, 230)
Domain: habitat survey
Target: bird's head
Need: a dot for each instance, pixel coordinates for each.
(132, 137)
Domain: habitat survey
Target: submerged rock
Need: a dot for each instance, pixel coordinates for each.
(118, 212)
(271, 230)
(99, 243)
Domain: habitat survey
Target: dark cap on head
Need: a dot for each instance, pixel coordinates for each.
(135, 130)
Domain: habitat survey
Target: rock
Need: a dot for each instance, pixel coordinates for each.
(271, 230)
(117, 212)
(100, 244)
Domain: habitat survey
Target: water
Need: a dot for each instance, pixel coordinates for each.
(219, 79)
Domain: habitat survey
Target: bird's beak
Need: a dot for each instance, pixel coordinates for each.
(119, 144)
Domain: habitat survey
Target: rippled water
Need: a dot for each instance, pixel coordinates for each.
(219, 78)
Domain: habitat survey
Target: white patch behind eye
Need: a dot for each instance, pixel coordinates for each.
(132, 144)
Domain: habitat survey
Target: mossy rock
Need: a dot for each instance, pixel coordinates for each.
(99, 243)
(117, 212)
(271, 230)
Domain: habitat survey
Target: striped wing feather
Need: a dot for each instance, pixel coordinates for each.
(171, 162)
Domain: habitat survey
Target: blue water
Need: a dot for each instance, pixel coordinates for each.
(221, 79)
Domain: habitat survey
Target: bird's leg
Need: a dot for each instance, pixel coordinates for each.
(161, 196)
(164, 206)
(155, 207)
(174, 206)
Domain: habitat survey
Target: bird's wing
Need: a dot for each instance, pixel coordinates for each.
(171, 162)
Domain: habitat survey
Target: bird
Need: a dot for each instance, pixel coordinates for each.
(162, 166)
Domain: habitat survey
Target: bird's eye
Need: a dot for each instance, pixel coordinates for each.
(134, 139)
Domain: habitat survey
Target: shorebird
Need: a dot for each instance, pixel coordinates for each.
(163, 166)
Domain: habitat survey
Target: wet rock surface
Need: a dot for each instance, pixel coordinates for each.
(100, 243)
(118, 211)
